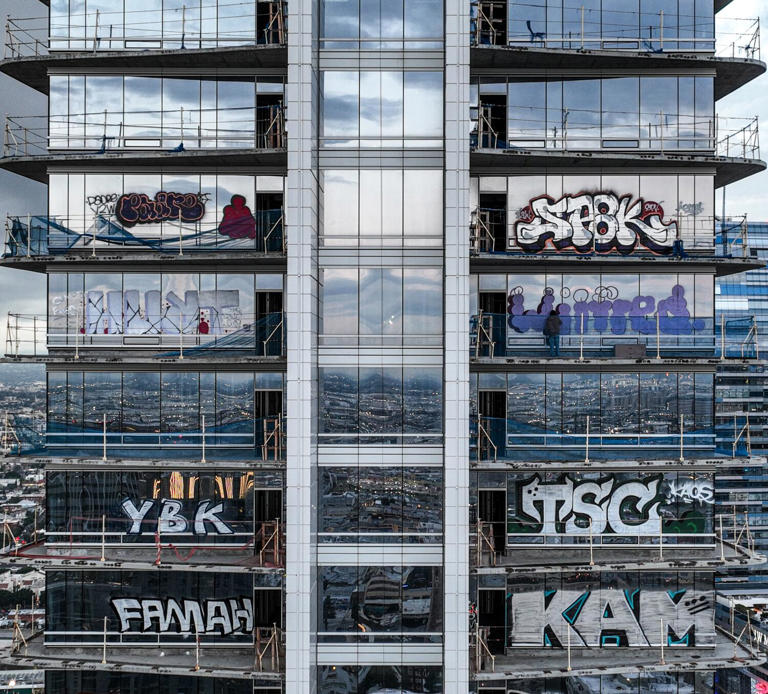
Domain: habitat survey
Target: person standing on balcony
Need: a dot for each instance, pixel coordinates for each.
(552, 329)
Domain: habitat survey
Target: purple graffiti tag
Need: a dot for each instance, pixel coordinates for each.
(602, 312)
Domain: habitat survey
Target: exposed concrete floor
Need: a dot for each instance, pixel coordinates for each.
(235, 662)
(529, 662)
(617, 558)
(236, 558)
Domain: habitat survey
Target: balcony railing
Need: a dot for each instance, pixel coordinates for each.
(732, 238)
(729, 535)
(494, 335)
(265, 540)
(738, 38)
(262, 22)
(522, 533)
(102, 234)
(260, 127)
(266, 642)
(726, 137)
(490, 26)
(742, 143)
(489, 233)
(495, 438)
(260, 439)
(203, 334)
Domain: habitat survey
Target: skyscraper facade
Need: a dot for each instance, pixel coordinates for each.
(381, 344)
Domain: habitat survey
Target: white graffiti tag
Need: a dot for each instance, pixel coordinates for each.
(598, 617)
(690, 491)
(171, 519)
(571, 509)
(185, 616)
(599, 222)
(132, 312)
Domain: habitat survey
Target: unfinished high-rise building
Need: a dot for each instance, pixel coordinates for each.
(381, 344)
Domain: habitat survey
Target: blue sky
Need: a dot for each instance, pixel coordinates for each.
(24, 292)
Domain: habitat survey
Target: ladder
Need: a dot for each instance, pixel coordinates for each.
(487, 137)
(274, 32)
(9, 440)
(480, 236)
(490, 22)
(272, 448)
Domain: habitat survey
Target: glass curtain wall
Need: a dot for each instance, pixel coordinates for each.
(584, 112)
(129, 211)
(75, 682)
(144, 410)
(380, 345)
(154, 607)
(95, 308)
(639, 25)
(148, 24)
(638, 413)
(130, 503)
(146, 111)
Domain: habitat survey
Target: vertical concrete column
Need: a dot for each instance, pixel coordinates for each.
(302, 322)
(456, 551)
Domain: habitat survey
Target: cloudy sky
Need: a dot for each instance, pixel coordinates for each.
(24, 292)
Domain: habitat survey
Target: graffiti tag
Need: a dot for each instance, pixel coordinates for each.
(571, 508)
(603, 311)
(599, 222)
(610, 618)
(139, 208)
(691, 208)
(184, 616)
(132, 312)
(170, 519)
(690, 491)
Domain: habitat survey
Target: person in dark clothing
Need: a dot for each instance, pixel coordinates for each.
(552, 332)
